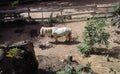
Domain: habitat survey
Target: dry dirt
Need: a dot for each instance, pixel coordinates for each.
(60, 51)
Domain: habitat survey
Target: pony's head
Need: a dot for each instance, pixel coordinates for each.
(45, 31)
(42, 31)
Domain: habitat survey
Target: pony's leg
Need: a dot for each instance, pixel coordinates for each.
(66, 38)
(69, 36)
(56, 40)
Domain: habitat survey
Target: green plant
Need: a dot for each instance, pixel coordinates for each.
(94, 34)
(116, 9)
(52, 20)
(69, 70)
(15, 2)
(81, 18)
(88, 65)
(84, 48)
(15, 53)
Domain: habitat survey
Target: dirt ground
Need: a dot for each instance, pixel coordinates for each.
(60, 51)
(56, 53)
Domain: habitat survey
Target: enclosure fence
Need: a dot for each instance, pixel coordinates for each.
(89, 11)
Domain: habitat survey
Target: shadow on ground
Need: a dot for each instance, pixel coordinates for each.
(19, 30)
(66, 43)
(42, 71)
(66, 3)
(114, 52)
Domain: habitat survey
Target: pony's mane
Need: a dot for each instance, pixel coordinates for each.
(45, 30)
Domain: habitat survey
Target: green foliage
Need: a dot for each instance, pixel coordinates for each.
(52, 20)
(116, 10)
(15, 2)
(84, 48)
(88, 65)
(15, 53)
(77, 70)
(94, 34)
(69, 70)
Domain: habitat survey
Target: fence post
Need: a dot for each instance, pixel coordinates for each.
(51, 20)
(42, 16)
(61, 10)
(94, 8)
(29, 14)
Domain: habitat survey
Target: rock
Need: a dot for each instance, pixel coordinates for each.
(19, 31)
(1, 54)
(42, 46)
(117, 41)
(118, 24)
(118, 32)
(107, 58)
(116, 21)
(80, 67)
(33, 33)
(45, 45)
(68, 60)
(26, 44)
(28, 64)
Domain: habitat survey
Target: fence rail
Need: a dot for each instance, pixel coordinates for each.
(91, 9)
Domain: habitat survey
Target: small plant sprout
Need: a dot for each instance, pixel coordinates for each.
(15, 53)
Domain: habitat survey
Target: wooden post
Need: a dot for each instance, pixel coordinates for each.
(61, 10)
(51, 19)
(42, 15)
(29, 14)
(95, 6)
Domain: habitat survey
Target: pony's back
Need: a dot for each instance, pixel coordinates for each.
(61, 31)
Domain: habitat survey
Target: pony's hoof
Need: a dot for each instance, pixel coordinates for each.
(65, 41)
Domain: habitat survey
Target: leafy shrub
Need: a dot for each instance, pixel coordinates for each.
(15, 53)
(84, 48)
(115, 21)
(94, 34)
(69, 70)
(88, 65)
(15, 2)
(116, 10)
(78, 70)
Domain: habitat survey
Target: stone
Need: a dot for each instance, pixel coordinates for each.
(33, 33)
(116, 21)
(26, 44)
(28, 64)
(1, 54)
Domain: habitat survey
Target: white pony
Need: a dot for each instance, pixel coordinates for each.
(56, 32)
